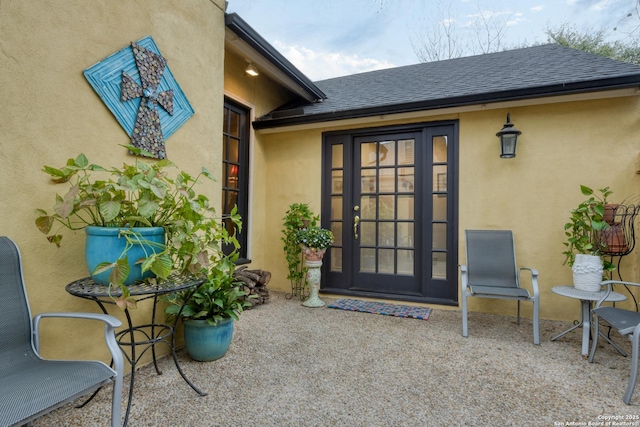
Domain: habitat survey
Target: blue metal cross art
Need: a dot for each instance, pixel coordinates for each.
(149, 111)
(147, 133)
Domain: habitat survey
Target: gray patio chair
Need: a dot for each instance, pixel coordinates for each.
(491, 272)
(627, 323)
(31, 386)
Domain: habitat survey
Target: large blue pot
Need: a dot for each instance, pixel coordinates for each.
(205, 342)
(104, 244)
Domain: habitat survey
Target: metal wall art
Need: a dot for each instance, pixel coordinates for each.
(136, 84)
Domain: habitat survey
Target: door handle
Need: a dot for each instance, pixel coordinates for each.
(356, 221)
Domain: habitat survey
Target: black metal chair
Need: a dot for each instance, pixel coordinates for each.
(31, 386)
(491, 272)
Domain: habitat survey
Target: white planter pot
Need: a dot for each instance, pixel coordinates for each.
(587, 272)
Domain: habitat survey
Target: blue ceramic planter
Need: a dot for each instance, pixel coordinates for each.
(103, 244)
(205, 342)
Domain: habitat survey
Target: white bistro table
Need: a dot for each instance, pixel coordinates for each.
(586, 299)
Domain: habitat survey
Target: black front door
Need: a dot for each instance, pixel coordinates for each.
(389, 198)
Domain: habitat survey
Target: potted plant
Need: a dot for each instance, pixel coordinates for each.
(585, 247)
(314, 242)
(297, 217)
(209, 312)
(123, 200)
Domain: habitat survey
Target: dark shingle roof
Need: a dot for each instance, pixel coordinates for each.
(533, 72)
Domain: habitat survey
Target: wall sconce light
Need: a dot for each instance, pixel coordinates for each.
(251, 70)
(508, 139)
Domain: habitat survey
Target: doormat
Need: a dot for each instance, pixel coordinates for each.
(382, 308)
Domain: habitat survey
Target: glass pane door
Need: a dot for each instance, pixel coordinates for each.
(389, 196)
(384, 213)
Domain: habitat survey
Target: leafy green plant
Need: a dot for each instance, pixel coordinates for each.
(584, 227)
(315, 237)
(219, 297)
(297, 217)
(117, 197)
(142, 194)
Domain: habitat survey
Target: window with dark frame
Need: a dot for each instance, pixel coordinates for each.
(235, 170)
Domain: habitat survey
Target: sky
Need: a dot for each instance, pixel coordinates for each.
(332, 38)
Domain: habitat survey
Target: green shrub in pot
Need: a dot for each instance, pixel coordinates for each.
(583, 229)
(219, 297)
(209, 312)
(314, 237)
(297, 217)
(146, 193)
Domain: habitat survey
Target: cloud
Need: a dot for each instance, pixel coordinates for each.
(591, 4)
(515, 20)
(496, 18)
(537, 8)
(489, 17)
(600, 5)
(595, 4)
(325, 65)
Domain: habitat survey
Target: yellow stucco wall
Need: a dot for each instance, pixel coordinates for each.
(50, 113)
(294, 176)
(260, 95)
(562, 146)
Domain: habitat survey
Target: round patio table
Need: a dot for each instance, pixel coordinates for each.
(147, 335)
(586, 300)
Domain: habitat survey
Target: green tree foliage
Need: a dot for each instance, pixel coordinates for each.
(595, 42)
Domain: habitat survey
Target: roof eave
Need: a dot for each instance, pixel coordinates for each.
(244, 31)
(460, 101)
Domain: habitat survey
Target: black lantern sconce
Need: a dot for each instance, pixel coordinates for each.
(508, 139)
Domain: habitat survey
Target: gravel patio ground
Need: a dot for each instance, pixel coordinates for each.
(290, 365)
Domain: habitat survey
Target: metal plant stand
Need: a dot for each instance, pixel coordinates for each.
(299, 288)
(621, 237)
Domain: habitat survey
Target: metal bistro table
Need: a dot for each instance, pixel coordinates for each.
(149, 334)
(586, 299)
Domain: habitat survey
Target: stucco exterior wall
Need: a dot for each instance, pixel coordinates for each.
(50, 113)
(294, 176)
(562, 146)
(260, 95)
